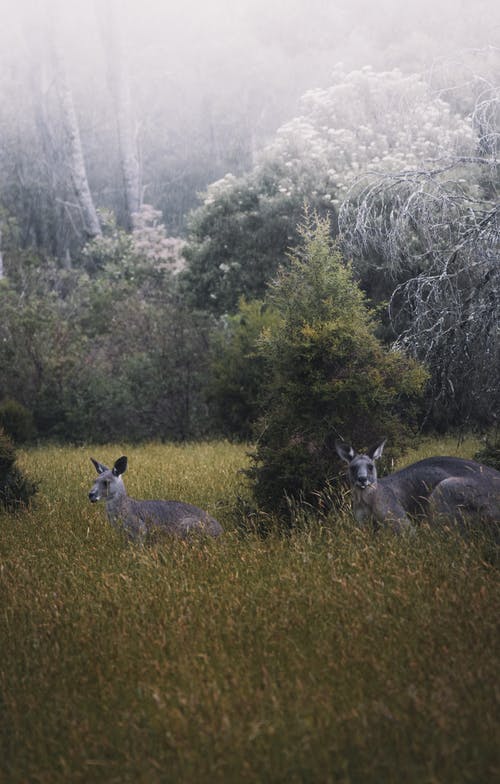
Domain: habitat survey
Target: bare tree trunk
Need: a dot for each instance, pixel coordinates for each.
(125, 121)
(72, 132)
(1, 256)
(55, 18)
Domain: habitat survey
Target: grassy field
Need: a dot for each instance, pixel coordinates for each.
(328, 655)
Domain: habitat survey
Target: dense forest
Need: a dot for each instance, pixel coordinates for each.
(172, 179)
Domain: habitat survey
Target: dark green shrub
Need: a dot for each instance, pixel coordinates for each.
(489, 454)
(16, 421)
(238, 369)
(329, 376)
(116, 355)
(239, 236)
(15, 488)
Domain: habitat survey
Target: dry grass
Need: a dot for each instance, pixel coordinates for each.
(324, 656)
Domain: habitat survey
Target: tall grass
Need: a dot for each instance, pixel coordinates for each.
(328, 655)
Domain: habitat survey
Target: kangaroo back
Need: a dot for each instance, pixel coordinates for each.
(141, 518)
(438, 490)
(171, 517)
(415, 484)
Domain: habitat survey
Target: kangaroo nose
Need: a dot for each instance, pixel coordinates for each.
(92, 496)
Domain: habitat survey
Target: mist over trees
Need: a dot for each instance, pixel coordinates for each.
(155, 164)
(412, 178)
(193, 90)
(365, 121)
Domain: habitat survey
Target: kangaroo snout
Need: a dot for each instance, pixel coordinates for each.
(93, 496)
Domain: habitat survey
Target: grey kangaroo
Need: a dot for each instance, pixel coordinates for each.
(437, 490)
(140, 518)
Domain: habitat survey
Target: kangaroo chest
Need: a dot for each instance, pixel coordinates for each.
(362, 505)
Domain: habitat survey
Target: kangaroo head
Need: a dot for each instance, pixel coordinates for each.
(109, 482)
(362, 470)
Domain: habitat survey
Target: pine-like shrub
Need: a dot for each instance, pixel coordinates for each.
(329, 376)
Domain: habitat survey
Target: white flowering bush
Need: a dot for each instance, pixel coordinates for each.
(146, 247)
(365, 122)
(150, 240)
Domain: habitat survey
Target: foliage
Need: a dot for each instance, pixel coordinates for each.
(106, 341)
(107, 353)
(237, 238)
(16, 489)
(489, 454)
(38, 336)
(327, 655)
(238, 370)
(242, 75)
(432, 234)
(364, 121)
(16, 421)
(329, 375)
(144, 375)
(146, 246)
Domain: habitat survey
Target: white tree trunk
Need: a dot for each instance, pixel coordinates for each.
(125, 120)
(90, 218)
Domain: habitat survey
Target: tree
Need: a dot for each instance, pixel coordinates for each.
(238, 370)
(433, 233)
(364, 121)
(105, 352)
(119, 83)
(69, 119)
(37, 193)
(329, 376)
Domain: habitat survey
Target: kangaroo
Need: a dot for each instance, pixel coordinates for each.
(140, 518)
(437, 490)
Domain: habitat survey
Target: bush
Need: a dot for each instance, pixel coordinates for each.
(330, 377)
(237, 238)
(490, 453)
(239, 370)
(15, 488)
(16, 421)
(116, 355)
(363, 121)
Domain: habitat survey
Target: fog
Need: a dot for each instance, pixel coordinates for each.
(210, 82)
(155, 159)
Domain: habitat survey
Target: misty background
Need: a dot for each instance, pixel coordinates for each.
(155, 159)
(210, 82)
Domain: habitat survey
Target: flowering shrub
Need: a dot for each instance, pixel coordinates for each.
(366, 121)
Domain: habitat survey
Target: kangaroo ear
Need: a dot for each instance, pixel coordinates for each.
(120, 466)
(376, 451)
(344, 451)
(99, 467)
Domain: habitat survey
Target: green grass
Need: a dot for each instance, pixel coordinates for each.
(325, 656)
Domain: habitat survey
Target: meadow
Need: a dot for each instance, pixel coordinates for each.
(324, 655)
